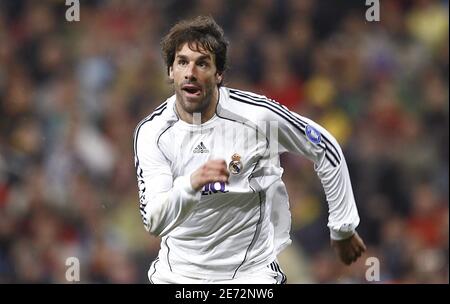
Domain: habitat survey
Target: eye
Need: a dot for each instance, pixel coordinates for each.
(182, 62)
(203, 64)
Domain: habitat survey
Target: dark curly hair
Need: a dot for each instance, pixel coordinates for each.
(201, 32)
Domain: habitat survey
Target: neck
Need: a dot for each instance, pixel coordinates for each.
(204, 115)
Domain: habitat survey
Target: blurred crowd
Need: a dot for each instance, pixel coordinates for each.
(71, 94)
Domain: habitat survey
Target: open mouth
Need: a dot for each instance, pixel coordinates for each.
(191, 89)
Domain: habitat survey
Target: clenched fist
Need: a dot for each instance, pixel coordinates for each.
(211, 171)
(349, 250)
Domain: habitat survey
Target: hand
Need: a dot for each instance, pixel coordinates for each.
(211, 171)
(349, 250)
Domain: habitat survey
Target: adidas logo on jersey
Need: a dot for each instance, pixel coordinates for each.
(201, 148)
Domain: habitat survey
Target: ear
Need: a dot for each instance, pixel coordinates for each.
(219, 77)
(171, 73)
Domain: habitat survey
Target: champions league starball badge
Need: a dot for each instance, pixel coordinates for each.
(313, 135)
(235, 165)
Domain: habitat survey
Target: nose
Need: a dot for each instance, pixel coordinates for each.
(190, 72)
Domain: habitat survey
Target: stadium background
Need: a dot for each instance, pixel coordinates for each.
(71, 94)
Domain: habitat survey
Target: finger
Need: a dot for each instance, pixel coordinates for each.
(360, 247)
(360, 243)
(213, 167)
(347, 261)
(224, 170)
(217, 163)
(351, 258)
(218, 172)
(213, 171)
(218, 168)
(216, 176)
(363, 247)
(352, 255)
(344, 258)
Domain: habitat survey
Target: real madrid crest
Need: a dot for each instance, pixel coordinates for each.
(235, 165)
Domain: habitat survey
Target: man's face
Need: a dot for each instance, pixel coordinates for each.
(195, 78)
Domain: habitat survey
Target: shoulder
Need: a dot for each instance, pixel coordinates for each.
(151, 125)
(256, 105)
(247, 97)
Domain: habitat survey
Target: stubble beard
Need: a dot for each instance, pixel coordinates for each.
(198, 106)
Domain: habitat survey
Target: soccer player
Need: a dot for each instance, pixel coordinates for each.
(209, 174)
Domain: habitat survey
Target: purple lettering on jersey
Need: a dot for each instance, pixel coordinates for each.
(212, 188)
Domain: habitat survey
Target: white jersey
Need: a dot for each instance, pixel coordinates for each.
(226, 230)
